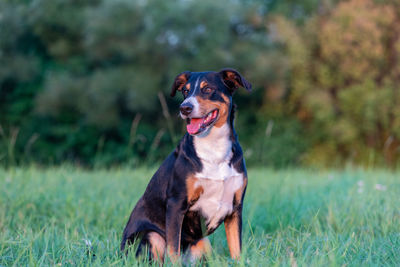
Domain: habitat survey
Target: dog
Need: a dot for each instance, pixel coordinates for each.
(202, 183)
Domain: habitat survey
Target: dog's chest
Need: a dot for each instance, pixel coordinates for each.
(218, 179)
(216, 200)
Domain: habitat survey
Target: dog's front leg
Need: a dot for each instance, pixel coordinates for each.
(175, 213)
(233, 223)
(233, 230)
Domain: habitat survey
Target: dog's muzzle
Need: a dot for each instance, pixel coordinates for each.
(186, 108)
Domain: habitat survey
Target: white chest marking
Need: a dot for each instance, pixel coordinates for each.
(216, 201)
(218, 179)
(215, 153)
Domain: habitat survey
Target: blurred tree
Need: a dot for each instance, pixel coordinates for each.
(344, 80)
(78, 72)
(79, 79)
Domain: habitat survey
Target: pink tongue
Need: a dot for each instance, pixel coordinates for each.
(194, 125)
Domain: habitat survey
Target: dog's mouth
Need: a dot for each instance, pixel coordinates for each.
(197, 125)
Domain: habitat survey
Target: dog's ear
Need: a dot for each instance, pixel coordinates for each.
(179, 82)
(233, 80)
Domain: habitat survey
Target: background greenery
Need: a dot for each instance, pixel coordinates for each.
(86, 81)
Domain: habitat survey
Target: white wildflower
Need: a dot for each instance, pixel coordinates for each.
(88, 242)
(380, 187)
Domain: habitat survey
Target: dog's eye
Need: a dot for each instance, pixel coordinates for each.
(207, 90)
(185, 92)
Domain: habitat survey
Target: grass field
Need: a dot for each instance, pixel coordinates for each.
(291, 217)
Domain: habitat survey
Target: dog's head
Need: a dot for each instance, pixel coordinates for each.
(207, 97)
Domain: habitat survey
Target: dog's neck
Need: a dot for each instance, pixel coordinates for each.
(215, 146)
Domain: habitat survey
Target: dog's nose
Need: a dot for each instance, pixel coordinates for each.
(186, 108)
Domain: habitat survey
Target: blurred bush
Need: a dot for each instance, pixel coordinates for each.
(80, 80)
(344, 82)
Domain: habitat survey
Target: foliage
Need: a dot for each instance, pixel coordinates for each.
(80, 81)
(78, 73)
(66, 216)
(344, 80)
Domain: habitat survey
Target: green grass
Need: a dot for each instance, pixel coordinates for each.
(308, 218)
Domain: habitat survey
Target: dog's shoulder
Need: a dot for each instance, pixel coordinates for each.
(172, 174)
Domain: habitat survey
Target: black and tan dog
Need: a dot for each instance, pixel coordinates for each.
(202, 183)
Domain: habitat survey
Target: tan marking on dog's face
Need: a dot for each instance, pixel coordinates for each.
(203, 84)
(188, 86)
(206, 106)
(223, 112)
(193, 191)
